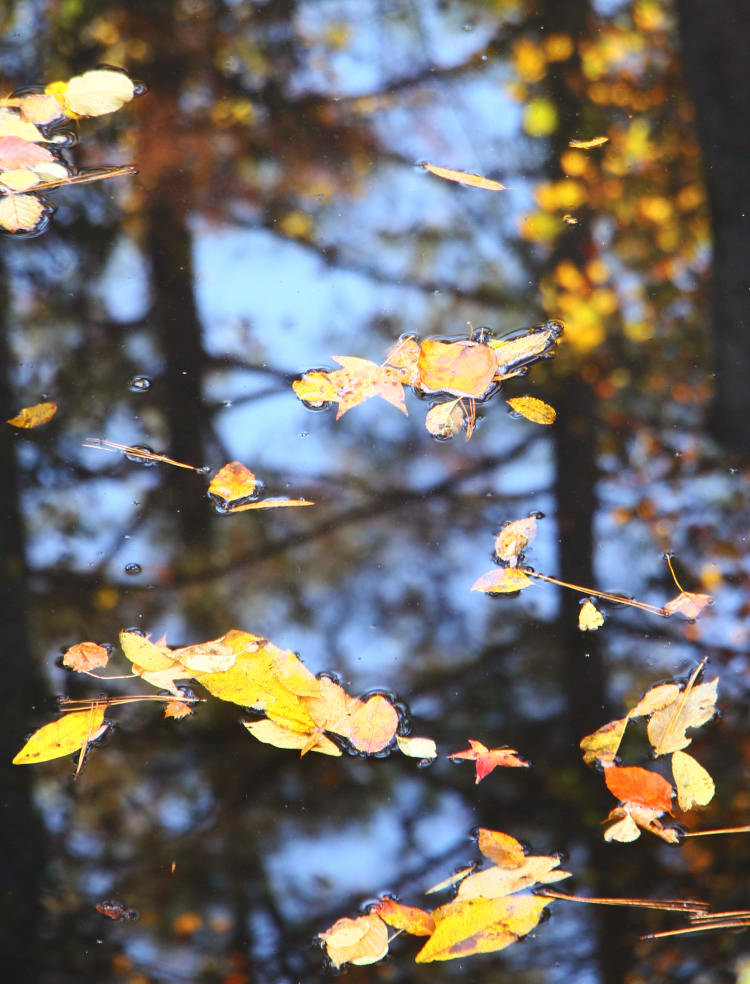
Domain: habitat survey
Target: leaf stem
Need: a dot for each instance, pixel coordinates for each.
(668, 905)
(604, 595)
(719, 830)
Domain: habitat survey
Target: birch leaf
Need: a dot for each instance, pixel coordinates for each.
(695, 787)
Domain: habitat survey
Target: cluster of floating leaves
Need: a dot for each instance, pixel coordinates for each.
(453, 375)
(512, 575)
(35, 126)
(645, 795)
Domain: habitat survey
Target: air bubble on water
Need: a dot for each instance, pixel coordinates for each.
(146, 462)
(139, 88)
(226, 403)
(204, 470)
(139, 384)
(303, 434)
(468, 27)
(133, 569)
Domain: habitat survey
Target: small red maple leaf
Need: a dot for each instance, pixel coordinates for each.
(488, 759)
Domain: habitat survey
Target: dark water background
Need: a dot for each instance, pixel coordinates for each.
(279, 217)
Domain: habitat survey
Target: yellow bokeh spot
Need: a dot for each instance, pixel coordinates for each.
(648, 15)
(655, 208)
(710, 577)
(337, 35)
(597, 271)
(106, 598)
(638, 331)
(558, 47)
(540, 118)
(605, 301)
(689, 197)
(584, 329)
(296, 225)
(574, 162)
(529, 60)
(570, 277)
(539, 227)
(565, 194)
(619, 378)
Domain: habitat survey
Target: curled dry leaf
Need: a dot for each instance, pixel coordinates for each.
(589, 617)
(418, 922)
(488, 759)
(62, 737)
(464, 178)
(631, 784)
(695, 787)
(85, 657)
(463, 368)
(504, 581)
(35, 416)
(513, 539)
(363, 940)
(515, 353)
(533, 409)
(420, 748)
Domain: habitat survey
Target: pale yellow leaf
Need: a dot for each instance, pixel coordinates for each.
(275, 734)
(465, 178)
(502, 581)
(97, 92)
(695, 787)
(589, 617)
(359, 941)
(21, 213)
(420, 748)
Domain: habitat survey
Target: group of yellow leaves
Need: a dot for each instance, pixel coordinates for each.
(34, 125)
(512, 576)
(644, 794)
(456, 373)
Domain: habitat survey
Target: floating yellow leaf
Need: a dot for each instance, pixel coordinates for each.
(406, 917)
(463, 177)
(275, 734)
(589, 617)
(146, 654)
(468, 926)
(276, 503)
(40, 413)
(420, 748)
(206, 657)
(498, 881)
(100, 91)
(588, 144)
(533, 409)
(515, 353)
(695, 787)
(513, 539)
(61, 737)
(690, 709)
(501, 848)
(506, 580)
(363, 940)
(603, 744)
(462, 368)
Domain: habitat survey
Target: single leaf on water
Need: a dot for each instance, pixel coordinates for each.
(515, 353)
(40, 413)
(695, 787)
(275, 734)
(363, 940)
(445, 419)
(100, 91)
(631, 784)
(177, 709)
(504, 581)
(589, 617)
(501, 848)
(61, 737)
(513, 539)
(488, 759)
(533, 409)
(373, 725)
(588, 144)
(604, 743)
(688, 603)
(420, 748)
(315, 387)
(86, 656)
(462, 368)
(690, 709)
(464, 178)
(234, 481)
(21, 213)
(406, 917)
(467, 926)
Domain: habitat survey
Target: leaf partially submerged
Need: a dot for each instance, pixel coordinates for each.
(34, 416)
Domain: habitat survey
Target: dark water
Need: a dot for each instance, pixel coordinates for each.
(279, 218)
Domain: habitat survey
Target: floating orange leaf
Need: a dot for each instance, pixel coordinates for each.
(695, 787)
(177, 709)
(40, 413)
(85, 656)
(61, 737)
(468, 926)
(589, 617)
(234, 481)
(504, 581)
(513, 539)
(464, 178)
(488, 759)
(462, 368)
(501, 848)
(688, 603)
(373, 725)
(363, 940)
(533, 409)
(631, 784)
(405, 917)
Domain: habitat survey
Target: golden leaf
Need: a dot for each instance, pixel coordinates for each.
(406, 917)
(40, 413)
(468, 926)
(506, 580)
(95, 93)
(463, 177)
(373, 725)
(275, 734)
(501, 848)
(462, 368)
(146, 654)
(695, 787)
(497, 881)
(513, 539)
(276, 503)
(363, 940)
(533, 409)
(420, 748)
(206, 657)
(589, 617)
(61, 737)
(603, 744)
